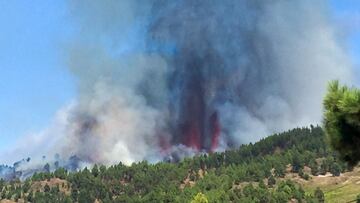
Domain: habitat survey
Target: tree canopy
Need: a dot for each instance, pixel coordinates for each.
(251, 173)
(342, 121)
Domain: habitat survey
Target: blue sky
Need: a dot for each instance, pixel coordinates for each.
(34, 83)
(347, 14)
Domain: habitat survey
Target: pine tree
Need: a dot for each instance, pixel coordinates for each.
(342, 121)
(95, 171)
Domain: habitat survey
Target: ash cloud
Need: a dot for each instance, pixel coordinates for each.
(172, 78)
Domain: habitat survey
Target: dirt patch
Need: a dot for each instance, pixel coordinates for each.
(6, 201)
(53, 182)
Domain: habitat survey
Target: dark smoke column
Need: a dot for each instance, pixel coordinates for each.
(195, 83)
(198, 120)
(198, 73)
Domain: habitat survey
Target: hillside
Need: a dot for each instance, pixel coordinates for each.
(292, 166)
(343, 188)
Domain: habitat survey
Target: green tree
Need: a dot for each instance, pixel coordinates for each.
(280, 170)
(314, 168)
(95, 170)
(297, 162)
(60, 173)
(85, 197)
(47, 167)
(342, 121)
(335, 169)
(303, 175)
(74, 193)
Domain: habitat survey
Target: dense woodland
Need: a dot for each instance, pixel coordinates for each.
(251, 173)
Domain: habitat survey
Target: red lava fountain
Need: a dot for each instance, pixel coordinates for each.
(215, 131)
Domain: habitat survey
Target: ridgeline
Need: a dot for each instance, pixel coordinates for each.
(295, 166)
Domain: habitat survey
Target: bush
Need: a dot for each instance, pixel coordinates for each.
(319, 195)
(200, 198)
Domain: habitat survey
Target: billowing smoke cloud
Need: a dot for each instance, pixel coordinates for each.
(161, 79)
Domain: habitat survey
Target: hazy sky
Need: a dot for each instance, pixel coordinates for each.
(34, 83)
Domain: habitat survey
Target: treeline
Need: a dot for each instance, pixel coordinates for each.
(252, 173)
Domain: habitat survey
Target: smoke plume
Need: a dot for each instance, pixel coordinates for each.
(164, 79)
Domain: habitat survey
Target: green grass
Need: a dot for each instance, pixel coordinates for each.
(345, 193)
(337, 189)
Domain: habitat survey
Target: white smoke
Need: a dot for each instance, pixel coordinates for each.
(266, 66)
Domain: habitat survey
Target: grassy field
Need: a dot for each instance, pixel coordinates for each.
(340, 189)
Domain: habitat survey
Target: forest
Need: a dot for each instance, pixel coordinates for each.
(251, 173)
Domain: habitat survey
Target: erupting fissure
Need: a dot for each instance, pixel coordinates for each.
(215, 131)
(197, 138)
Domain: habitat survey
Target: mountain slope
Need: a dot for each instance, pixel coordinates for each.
(280, 168)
